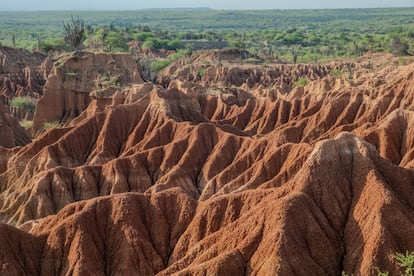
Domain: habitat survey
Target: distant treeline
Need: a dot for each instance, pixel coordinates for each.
(291, 35)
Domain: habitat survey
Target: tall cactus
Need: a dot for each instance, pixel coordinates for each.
(74, 33)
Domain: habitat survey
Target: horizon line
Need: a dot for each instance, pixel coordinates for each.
(203, 8)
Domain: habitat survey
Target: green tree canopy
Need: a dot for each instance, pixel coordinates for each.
(52, 44)
(116, 42)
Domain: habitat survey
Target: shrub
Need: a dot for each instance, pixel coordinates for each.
(24, 103)
(405, 261)
(52, 44)
(301, 82)
(201, 72)
(116, 42)
(26, 124)
(380, 273)
(148, 44)
(337, 73)
(143, 36)
(175, 56)
(403, 61)
(174, 44)
(158, 65)
(52, 124)
(110, 80)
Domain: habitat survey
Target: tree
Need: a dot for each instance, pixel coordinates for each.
(116, 42)
(174, 44)
(24, 103)
(294, 55)
(240, 45)
(397, 46)
(52, 44)
(146, 29)
(74, 33)
(142, 36)
(148, 44)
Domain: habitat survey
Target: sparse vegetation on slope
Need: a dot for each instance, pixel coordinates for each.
(52, 124)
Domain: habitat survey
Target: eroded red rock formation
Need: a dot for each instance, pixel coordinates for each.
(155, 181)
(74, 76)
(20, 72)
(11, 133)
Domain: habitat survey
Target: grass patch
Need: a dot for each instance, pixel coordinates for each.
(301, 82)
(201, 72)
(403, 61)
(52, 124)
(72, 74)
(26, 124)
(110, 80)
(337, 73)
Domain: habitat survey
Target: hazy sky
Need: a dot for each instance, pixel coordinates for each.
(216, 4)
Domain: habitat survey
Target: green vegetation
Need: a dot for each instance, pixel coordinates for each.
(380, 273)
(201, 72)
(52, 124)
(110, 80)
(406, 262)
(26, 124)
(301, 82)
(24, 103)
(159, 64)
(116, 42)
(337, 73)
(72, 74)
(52, 44)
(293, 36)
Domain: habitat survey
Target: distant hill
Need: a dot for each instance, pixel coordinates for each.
(179, 9)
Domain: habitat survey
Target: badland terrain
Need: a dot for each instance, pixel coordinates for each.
(214, 167)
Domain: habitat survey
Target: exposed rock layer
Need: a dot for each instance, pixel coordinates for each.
(157, 181)
(74, 76)
(21, 72)
(11, 133)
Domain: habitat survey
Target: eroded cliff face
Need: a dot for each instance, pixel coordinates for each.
(74, 76)
(158, 180)
(11, 133)
(21, 73)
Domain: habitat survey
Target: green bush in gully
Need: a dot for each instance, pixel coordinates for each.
(404, 261)
(52, 124)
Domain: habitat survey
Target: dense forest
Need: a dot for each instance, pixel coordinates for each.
(291, 36)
